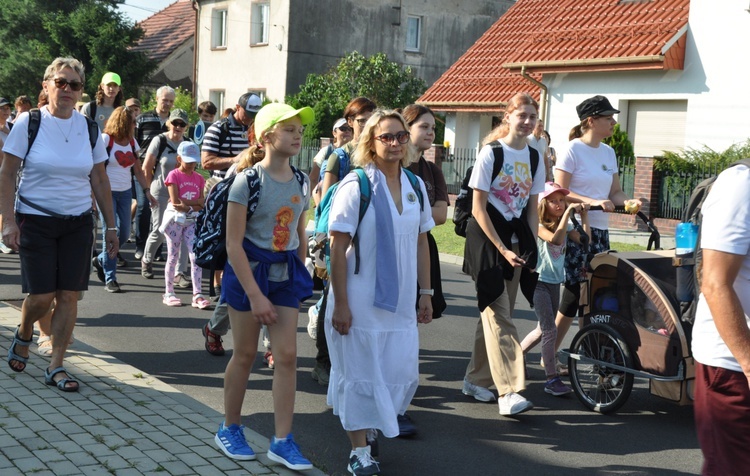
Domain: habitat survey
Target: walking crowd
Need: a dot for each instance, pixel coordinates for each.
(376, 200)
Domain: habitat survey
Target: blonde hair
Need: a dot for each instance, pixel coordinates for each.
(245, 160)
(502, 130)
(365, 152)
(256, 152)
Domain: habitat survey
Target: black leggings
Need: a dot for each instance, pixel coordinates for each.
(569, 305)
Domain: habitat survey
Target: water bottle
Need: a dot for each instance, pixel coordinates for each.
(686, 237)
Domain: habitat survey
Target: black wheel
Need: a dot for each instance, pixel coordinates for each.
(600, 388)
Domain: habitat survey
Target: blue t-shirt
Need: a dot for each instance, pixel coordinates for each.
(551, 263)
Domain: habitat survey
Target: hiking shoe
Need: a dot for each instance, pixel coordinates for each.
(556, 387)
(406, 427)
(6, 249)
(287, 453)
(233, 443)
(479, 393)
(112, 287)
(372, 441)
(138, 254)
(268, 359)
(121, 262)
(147, 270)
(361, 463)
(312, 324)
(99, 269)
(320, 375)
(513, 404)
(181, 281)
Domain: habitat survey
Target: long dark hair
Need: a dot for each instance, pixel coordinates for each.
(100, 97)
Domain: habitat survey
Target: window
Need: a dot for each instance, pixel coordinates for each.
(259, 23)
(219, 29)
(216, 96)
(260, 92)
(413, 33)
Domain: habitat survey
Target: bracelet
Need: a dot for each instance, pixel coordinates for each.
(426, 292)
(111, 229)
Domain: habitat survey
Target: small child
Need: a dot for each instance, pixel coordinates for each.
(185, 187)
(554, 226)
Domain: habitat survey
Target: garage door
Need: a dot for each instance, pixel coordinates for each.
(656, 126)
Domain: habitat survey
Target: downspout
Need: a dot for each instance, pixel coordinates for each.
(196, 7)
(543, 98)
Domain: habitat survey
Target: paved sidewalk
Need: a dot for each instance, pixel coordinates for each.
(121, 422)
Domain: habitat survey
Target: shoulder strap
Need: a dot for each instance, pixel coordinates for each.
(253, 184)
(343, 162)
(415, 185)
(224, 131)
(93, 132)
(35, 121)
(92, 110)
(132, 146)
(300, 178)
(497, 165)
(534, 159)
(365, 195)
(10, 125)
(111, 144)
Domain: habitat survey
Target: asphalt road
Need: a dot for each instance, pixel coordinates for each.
(457, 435)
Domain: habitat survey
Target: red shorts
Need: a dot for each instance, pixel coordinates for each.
(722, 420)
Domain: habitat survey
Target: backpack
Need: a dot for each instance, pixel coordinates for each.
(690, 268)
(465, 198)
(320, 250)
(92, 110)
(210, 245)
(344, 163)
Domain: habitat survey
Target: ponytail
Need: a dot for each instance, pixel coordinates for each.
(250, 157)
(575, 132)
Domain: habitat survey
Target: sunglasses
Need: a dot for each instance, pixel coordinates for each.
(400, 137)
(345, 129)
(62, 82)
(179, 124)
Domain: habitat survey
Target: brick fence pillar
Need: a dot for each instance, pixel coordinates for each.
(646, 188)
(435, 154)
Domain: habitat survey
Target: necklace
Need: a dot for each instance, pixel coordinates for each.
(61, 131)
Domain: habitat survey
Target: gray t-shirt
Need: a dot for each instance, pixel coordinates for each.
(102, 113)
(164, 164)
(273, 225)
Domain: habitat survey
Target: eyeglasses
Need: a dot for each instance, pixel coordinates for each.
(345, 129)
(179, 124)
(62, 82)
(401, 137)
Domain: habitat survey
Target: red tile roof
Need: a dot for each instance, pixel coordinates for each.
(556, 36)
(166, 30)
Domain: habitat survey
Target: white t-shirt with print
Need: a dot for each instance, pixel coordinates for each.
(56, 172)
(121, 160)
(591, 170)
(509, 192)
(726, 227)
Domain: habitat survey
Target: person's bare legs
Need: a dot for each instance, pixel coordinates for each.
(358, 438)
(246, 330)
(63, 321)
(34, 307)
(283, 336)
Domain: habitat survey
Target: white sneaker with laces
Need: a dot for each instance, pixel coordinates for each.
(312, 324)
(479, 393)
(513, 404)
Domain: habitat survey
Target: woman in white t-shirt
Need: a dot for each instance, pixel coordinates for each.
(588, 168)
(122, 147)
(51, 223)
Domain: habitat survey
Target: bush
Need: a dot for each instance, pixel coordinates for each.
(703, 160)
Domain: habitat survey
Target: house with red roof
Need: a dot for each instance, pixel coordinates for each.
(676, 69)
(169, 40)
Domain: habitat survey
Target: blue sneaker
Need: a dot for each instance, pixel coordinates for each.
(287, 453)
(233, 443)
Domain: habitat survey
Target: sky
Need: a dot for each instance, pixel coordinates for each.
(138, 10)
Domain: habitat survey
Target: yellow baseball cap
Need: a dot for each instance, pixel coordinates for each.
(275, 112)
(111, 77)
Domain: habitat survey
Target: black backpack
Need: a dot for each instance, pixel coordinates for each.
(689, 276)
(210, 245)
(465, 198)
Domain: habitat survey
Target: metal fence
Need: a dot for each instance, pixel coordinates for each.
(304, 160)
(675, 189)
(455, 165)
(627, 175)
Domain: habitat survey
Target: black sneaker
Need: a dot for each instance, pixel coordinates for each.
(406, 427)
(147, 270)
(99, 269)
(121, 262)
(361, 463)
(112, 287)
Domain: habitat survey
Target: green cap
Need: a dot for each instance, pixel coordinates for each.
(275, 112)
(111, 77)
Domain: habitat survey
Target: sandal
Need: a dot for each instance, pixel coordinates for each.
(61, 384)
(12, 356)
(215, 347)
(45, 346)
(171, 300)
(200, 302)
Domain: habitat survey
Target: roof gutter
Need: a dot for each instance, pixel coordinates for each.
(543, 97)
(586, 62)
(197, 7)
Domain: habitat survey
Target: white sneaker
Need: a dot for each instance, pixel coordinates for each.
(312, 325)
(479, 393)
(513, 404)
(5, 249)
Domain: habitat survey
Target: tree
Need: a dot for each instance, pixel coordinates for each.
(35, 32)
(375, 77)
(620, 142)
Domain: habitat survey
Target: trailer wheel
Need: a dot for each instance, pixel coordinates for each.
(599, 387)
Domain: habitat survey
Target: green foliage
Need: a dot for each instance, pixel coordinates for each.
(620, 142)
(35, 32)
(693, 161)
(375, 77)
(182, 99)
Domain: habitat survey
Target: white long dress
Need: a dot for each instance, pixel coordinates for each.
(375, 368)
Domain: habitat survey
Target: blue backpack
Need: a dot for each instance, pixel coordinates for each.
(344, 163)
(320, 250)
(210, 246)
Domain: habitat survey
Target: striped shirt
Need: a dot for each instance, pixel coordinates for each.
(235, 140)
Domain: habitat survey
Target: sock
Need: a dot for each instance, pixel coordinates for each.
(278, 440)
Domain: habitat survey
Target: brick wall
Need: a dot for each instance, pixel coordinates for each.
(435, 154)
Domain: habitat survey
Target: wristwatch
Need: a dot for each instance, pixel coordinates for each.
(426, 292)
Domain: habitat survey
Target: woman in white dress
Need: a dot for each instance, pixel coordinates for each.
(374, 345)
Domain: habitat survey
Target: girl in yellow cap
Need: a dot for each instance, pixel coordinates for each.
(109, 97)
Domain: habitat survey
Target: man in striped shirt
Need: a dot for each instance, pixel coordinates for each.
(225, 139)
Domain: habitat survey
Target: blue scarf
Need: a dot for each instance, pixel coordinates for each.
(386, 281)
